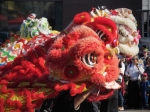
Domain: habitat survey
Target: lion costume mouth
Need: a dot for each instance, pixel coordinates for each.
(103, 91)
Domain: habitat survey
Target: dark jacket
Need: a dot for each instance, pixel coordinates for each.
(147, 70)
(65, 103)
(144, 85)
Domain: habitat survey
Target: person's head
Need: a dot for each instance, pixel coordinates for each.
(144, 76)
(143, 46)
(145, 52)
(148, 60)
(121, 58)
(135, 59)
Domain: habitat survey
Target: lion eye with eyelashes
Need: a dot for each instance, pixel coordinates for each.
(122, 33)
(89, 59)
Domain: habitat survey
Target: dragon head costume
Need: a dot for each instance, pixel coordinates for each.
(81, 56)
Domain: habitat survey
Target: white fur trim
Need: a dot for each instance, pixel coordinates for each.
(127, 13)
(125, 49)
(124, 21)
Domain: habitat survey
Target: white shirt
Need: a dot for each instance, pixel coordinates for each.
(122, 69)
(134, 72)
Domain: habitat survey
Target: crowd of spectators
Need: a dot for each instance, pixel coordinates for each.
(136, 81)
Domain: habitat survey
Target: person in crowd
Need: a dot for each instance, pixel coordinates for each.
(144, 57)
(120, 80)
(110, 104)
(144, 91)
(134, 71)
(147, 62)
(66, 103)
(140, 54)
(147, 70)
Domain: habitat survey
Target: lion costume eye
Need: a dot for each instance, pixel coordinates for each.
(123, 32)
(89, 59)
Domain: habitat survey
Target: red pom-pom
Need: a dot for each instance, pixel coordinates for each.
(82, 18)
(115, 43)
(114, 12)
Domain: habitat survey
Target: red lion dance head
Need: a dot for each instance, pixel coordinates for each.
(78, 59)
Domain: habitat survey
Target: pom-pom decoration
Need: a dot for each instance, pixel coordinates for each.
(82, 18)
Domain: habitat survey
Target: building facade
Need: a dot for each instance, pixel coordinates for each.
(58, 12)
(145, 20)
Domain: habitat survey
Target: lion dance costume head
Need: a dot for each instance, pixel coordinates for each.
(128, 35)
(82, 55)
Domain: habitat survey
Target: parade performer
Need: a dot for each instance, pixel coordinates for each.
(144, 91)
(77, 61)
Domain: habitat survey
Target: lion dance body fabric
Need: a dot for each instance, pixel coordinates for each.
(82, 55)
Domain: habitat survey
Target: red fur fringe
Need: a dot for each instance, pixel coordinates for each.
(1, 105)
